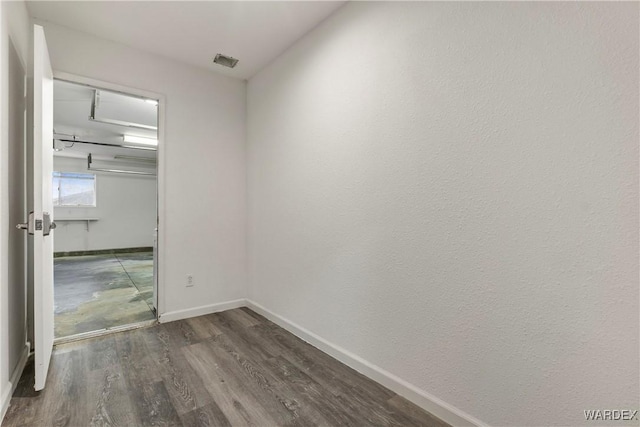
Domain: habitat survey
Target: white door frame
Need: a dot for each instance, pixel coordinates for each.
(99, 84)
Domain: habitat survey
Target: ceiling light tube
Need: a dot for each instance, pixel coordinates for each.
(140, 140)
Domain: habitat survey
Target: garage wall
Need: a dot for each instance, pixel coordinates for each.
(125, 211)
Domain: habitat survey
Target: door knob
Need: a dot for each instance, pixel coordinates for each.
(47, 224)
(29, 225)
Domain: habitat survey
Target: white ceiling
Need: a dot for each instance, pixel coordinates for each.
(255, 32)
(71, 122)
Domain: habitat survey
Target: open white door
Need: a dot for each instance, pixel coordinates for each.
(42, 222)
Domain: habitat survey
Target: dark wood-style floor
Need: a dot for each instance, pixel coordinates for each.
(227, 369)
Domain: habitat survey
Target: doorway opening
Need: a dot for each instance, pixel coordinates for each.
(105, 195)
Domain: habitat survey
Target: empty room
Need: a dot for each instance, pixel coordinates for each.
(319, 213)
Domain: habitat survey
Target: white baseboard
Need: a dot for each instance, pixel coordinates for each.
(200, 311)
(428, 402)
(13, 381)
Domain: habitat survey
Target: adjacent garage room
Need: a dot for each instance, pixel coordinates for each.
(104, 197)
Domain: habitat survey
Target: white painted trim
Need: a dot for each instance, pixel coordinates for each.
(161, 200)
(103, 332)
(425, 400)
(101, 84)
(201, 311)
(13, 381)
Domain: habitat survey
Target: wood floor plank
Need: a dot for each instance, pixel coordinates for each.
(184, 385)
(154, 406)
(260, 348)
(234, 368)
(312, 393)
(203, 327)
(69, 404)
(253, 314)
(206, 416)
(261, 385)
(249, 355)
(33, 408)
(149, 395)
(26, 403)
(180, 333)
(239, 407)
(102, 353)
(419, 417)
(327, 371)
(113, 405)
(241, 317)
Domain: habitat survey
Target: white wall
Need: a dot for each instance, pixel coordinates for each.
(450, 192)
(205, 214)
(125, 208)
(14, 45)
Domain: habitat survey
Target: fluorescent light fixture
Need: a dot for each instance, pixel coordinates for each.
(140, 140)
(151, 101)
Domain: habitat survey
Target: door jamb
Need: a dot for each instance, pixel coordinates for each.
(100, 84)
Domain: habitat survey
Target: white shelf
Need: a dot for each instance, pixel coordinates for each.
(87, 220)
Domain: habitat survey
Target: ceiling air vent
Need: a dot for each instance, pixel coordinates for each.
(225, 60)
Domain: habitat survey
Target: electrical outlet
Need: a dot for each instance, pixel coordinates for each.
(189, 280)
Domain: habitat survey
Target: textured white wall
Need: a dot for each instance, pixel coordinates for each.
(450, 191)
(126, 208)
(205, 214)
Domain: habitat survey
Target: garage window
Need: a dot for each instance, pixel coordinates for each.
(72, 189)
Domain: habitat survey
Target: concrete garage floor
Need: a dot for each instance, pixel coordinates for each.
(97, 292)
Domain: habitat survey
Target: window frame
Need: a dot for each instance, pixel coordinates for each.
(61, 175)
